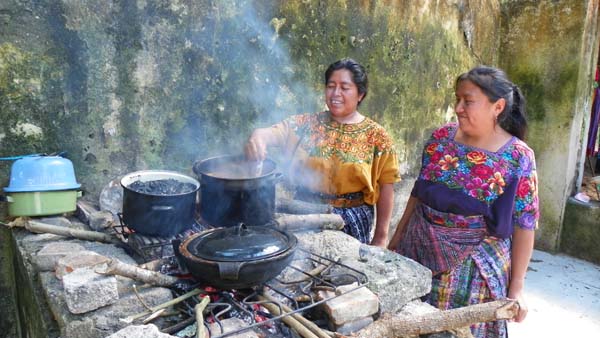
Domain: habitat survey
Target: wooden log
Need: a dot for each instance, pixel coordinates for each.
(199, 308)
(290, 321)
(310, 222)
(290, 206)
(116, 267)
(164, 305)
(44, 228)
(310, 325)
(399, 326)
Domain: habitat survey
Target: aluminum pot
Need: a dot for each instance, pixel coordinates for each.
(237, 257)
(162, 215)
(235, 191)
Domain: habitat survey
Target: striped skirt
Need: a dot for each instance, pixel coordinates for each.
(468, 266)
(358, 221)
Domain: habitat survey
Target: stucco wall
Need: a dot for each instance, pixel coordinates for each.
(550, 48)
(129, 85)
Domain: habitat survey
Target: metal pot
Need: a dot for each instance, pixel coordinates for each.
(235, 191)
(158, 215)
(237, 257)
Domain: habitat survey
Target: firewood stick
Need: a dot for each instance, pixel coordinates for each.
(310, 325)
(389, 326)
(310, 222)
(290, 206)
(116, 267)
(200, 332)
(39, 227)
(172, 302)
(291, 322)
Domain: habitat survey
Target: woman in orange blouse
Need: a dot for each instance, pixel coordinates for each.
(339, 156)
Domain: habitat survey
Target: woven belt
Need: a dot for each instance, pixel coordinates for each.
(349, 200)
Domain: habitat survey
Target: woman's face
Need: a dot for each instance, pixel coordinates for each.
(341, 94)
(476, 114)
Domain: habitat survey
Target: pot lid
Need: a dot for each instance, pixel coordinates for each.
(239, 243)
(42, 173)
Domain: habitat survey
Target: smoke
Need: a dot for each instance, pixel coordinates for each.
(237, 75)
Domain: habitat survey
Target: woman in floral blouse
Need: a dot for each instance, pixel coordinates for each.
(339, 156)
(474, 206)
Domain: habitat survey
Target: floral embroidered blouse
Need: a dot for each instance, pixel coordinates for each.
(335, 158)
(461, 179)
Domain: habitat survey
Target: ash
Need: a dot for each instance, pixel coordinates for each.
(162, 187)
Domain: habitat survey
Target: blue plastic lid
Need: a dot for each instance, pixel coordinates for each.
(42, 173)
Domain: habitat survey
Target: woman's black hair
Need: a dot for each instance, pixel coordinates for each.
(494, 83)
(359, 75)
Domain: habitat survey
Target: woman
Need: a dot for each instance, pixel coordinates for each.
(474, 206)
(339, 156)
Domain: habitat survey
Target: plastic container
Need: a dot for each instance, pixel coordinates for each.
(42, 173)
(41, 186)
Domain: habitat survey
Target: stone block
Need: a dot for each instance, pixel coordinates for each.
(84, 328)
(140, 331)
(86, 290)
(352, 305)
(100, 220)
(353, 326)
(231, 324)
(83, 259)
(46, 258)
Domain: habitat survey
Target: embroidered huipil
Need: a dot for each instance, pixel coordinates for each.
(501, 186)
(337, 159)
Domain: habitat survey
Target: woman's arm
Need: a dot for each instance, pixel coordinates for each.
(408, 211)
(385, 205)
(522, 247)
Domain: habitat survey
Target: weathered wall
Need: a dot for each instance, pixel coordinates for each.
(549, 49)
(129, 85)
(581, 231)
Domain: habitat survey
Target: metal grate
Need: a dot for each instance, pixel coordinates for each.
(288, 291)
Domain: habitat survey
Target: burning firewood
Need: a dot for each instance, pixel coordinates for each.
(320, 333)
(390, 326)
(200, 331)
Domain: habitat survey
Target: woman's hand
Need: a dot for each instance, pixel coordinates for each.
(522, 247)
(256, 146)
(516, 292)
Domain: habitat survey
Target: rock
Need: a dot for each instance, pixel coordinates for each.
(396, 279)
(85, 290)
(352, 305)
(353, 326)
(231, 324)
(46, 258)
(83, 259)
(140, 331)
(101, 220)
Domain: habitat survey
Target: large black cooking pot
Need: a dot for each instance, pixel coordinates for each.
(163, 215)
(235, 191)
(238, 257)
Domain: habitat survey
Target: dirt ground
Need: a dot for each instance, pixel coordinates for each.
(563, 294)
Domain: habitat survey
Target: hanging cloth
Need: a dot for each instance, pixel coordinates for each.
(593, 132)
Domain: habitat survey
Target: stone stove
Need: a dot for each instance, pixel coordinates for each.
(398, 282)
(296, 289)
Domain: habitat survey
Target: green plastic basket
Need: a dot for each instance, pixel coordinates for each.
(42, 203)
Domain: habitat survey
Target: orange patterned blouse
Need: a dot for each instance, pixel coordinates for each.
(334, 158)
